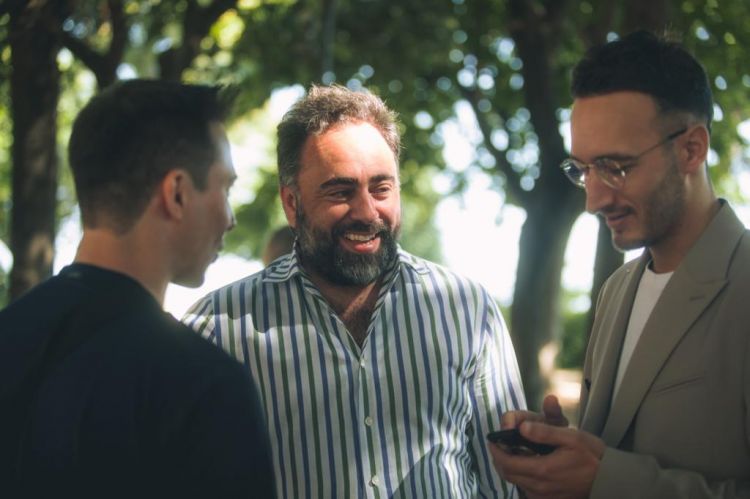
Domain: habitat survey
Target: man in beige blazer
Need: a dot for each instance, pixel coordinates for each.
(665, 399)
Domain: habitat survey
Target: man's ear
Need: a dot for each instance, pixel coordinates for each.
(174, 191)
(695, 149)
(289, 202)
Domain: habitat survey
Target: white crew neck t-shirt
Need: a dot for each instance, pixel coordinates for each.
(649, 290)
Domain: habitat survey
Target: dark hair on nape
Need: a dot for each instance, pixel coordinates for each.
(323, 108)
(643, 62)
(128, 137)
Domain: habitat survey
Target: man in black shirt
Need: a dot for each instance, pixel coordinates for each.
(102, 394)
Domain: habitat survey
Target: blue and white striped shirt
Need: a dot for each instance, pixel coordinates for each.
(406, 414)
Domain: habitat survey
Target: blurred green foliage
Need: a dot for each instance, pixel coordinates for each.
(572, 350)
(423, 57)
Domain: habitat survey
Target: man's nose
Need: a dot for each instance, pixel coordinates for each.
(232, 221)
(363, 207)
(598, 194)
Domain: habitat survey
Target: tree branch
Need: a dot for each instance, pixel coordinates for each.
(195, 26)
(119, 40)
(328, 36)
(12, 7)
(596, 32)
(103, 65)
(536, 35)
(501, 162)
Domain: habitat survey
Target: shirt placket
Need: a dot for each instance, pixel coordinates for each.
(354, 370)
(371, 479)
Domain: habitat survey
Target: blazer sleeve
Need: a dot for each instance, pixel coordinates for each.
(626, 475)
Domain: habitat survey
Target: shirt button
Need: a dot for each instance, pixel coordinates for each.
(362, 363)
(368, 421)
(375, 481)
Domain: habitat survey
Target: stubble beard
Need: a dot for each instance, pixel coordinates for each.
(662, 211)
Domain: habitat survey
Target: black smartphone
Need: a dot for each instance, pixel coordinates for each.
(513, 442)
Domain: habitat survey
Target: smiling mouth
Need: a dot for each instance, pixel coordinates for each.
(616, 220)
(360, 238)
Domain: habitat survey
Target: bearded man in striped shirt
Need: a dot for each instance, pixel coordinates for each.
(380, 372)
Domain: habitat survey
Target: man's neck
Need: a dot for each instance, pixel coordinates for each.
(353, 304)
(126, 255)
(667, 255)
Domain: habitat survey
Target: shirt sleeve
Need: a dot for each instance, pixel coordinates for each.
(497, 388)
(200, 318)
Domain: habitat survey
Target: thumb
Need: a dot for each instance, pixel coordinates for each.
(553, 412)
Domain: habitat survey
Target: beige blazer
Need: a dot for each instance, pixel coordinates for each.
(679, 426)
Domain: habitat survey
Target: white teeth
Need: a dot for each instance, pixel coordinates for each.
(359, 237)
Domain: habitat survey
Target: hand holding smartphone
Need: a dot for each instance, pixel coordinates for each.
(513, 442)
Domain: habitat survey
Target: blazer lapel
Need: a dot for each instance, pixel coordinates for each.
(609, 342)
(682, 302)
(694, 285)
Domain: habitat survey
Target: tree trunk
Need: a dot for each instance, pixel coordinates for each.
(647, 14)
(535, 312)
(34, 90)
(328, 36)
(552, 206)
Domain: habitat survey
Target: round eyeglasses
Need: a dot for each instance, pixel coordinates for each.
(610, 171)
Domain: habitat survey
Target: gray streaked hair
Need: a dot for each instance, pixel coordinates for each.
(322, 108)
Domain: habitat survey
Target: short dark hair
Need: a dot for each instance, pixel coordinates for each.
(322, 108)
(643, 62)
(128, 137)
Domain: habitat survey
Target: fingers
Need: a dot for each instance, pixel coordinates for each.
(512, 467)
(547, 434)
(552, 414)
(512, 419)
(569, 438)
(567, 472)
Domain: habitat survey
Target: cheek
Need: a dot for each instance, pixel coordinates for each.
(391, 211)
(327, 215)
(643, 200)
(221, 212)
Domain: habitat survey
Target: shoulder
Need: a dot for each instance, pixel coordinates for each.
(440, 279)
(54, 292)
(225, 299)
(173, 349)
(31, 317)
(738, 283)
(742, 256)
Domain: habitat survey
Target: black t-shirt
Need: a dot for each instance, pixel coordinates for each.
(141, 407)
